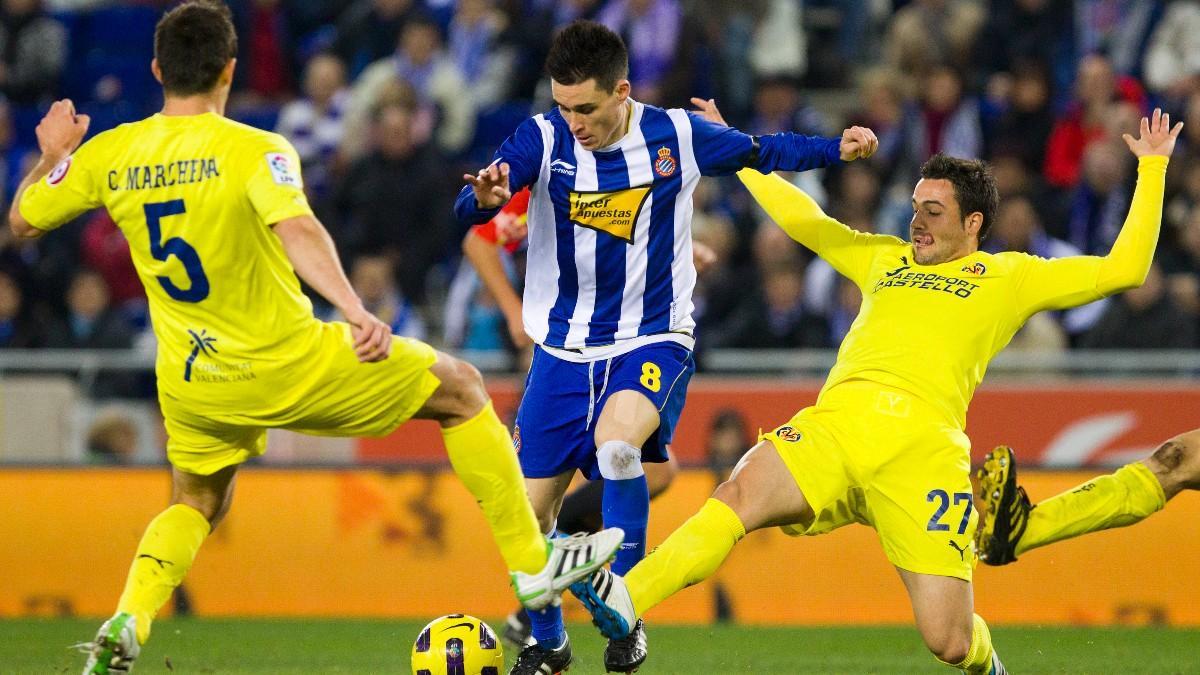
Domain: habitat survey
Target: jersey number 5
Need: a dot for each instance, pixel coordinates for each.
(175, 246)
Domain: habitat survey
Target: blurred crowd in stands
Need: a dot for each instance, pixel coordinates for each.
(388, 102)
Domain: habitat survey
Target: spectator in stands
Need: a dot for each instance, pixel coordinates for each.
(1022, 31)
(774, 316)
(393, 200)
(33, 52)
(1144, 318)
(474, 44)
(1021, 118)
(948, 121)
(1118, 28)
(847, 302)
(779, 106)
(1181, 265)
(367, 31)
(926, 33)
(374, 278)
(1172, 63)
(652, 30)
(19, 329)
(1099, 203)
(422, 63)
(265, 59)
(90, 322)
(112, 438)
(1097, 89)
(315, 123)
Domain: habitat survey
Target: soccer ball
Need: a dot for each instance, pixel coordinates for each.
(457, 644)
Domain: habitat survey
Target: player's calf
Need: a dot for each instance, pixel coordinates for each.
(1176, 463)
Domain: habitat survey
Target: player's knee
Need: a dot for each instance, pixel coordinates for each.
(949, 647)
(461, 393)
(619, 460)
(730, 492)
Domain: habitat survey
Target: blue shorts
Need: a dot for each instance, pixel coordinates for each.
(563, 400)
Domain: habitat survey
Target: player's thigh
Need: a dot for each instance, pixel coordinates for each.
(351, 398)
(762, 492)
(943, 608)
(921, 503)
(553, 418)
(643, 396)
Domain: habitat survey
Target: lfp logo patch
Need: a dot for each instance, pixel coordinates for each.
(789, 434)
(978, 269)
(59, 172)
(664, 165)
(282, 171)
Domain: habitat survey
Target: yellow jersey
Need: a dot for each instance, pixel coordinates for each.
(931, 330)
(196, 196)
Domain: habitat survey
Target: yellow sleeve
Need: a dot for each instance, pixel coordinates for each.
(848, 251)
(69, 190)
(274, 182)
(1069, 282)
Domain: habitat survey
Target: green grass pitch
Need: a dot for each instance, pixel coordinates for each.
(355, 646)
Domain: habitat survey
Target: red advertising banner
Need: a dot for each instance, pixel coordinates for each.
(1057, 424)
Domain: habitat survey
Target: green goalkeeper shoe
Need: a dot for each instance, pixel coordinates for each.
(114, 648)
(1007, 508)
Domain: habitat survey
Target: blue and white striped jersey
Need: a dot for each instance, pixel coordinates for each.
(610, 248)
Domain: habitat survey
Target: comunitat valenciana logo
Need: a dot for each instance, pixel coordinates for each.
(59, 172)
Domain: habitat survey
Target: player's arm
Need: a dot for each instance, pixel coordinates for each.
(68, 193)
(848, 251)
(721, 150)
(311, 251)
(1076, 280)
(484, 255)
(516, 165)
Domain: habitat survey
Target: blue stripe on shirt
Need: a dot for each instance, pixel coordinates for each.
(612, 173)
(563, 147)
(660, 252)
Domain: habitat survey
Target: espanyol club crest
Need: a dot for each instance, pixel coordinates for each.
(517, 438)
(59, 172)
(664, 165)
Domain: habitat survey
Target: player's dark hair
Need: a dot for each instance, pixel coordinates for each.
(193, 43)
(974, 186)
(587, 50)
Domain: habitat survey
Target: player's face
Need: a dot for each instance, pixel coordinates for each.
(938, 230)
(596, 117)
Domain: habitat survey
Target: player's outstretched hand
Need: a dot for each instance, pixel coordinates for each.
(857, 143)
(708, 110)
(61, 130)
(372, 337)
(490, 185)
(1156, 136)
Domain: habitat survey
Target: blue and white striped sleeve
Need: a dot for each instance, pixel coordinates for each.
(523, 153)
(722, 150)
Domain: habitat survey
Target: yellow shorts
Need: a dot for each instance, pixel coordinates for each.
(881, 457)
(325, 392)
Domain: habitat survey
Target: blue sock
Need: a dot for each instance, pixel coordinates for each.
(547, 623)
(627, 506)
(548, 627)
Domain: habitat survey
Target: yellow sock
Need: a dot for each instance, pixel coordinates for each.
(481, 452)
(979, 657)
(1116, 500)
(163, 559)
(688, 556)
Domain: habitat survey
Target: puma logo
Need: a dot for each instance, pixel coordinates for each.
(962, 550)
